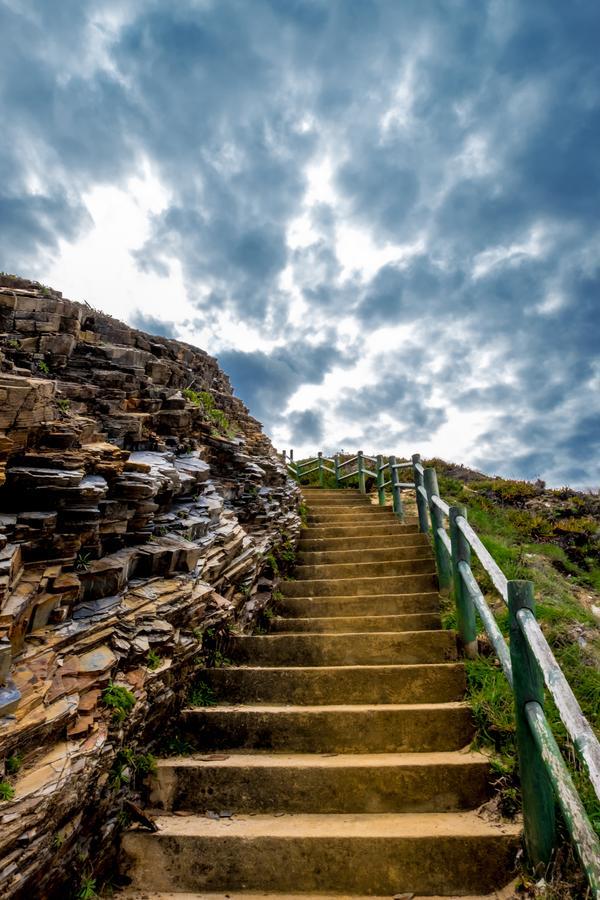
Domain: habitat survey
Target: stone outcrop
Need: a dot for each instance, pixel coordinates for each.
(140, 504)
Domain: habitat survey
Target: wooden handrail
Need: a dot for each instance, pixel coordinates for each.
(528, 653)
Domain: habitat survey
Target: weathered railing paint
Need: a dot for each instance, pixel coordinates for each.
(528, 663)
(528, 687)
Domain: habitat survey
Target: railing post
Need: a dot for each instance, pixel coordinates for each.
(320, 464)
(361, 475)
(437, 521)
(396, 492)
(380, 480)
(461, 552)
(421, 504)
(283, 456)
(336, 463)
(528, 686)
(293, 465)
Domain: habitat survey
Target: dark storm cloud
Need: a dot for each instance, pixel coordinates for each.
(306, 427)
(468, 130)
(266, 381)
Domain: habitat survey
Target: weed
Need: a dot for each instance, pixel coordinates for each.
(14, 763)
(7, 791)
(176, 745)
(119, 699)
(201, 694)
(130, 767)
(82, 561)
(219, 660)
(64, 404)
(153, 660)
(88, 889)
(43, 367)
(14, 344)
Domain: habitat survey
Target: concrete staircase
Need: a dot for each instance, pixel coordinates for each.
(336, 760)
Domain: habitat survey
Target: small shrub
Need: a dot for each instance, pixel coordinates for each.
(64, 405)
(82, 561)
(7, 791)
(88, 890)
(119, 699)
(43, 367)
(153, 660)
(14, 763)
(202, 694)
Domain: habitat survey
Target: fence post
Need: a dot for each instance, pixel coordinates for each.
(396, 492)
(461, 552)
(380, 480)
(320, 464)
(361, 474)
(421, 503)
(293, 465)
(437, 521)
(336, 463)
(528, 686)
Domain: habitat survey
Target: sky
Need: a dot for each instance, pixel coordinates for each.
(382, 216)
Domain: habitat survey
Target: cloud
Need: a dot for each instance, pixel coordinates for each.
(457, 143)
(152, 325)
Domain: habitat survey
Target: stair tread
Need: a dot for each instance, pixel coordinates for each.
(360, 667)
(325, 760)
(280, 708)
(259, 895)
(412, 826)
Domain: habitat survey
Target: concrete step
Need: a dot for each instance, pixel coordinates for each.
(376, 554)
(360, 605)
(365, 569)
(382, 584)
(385, 853)
(385, 728)
(350, 514)
(396, 539)
(313, 685)
(353, 624)
(337, 502)
(308, 783)
(369, 648)
(363, 530)
(507, 894)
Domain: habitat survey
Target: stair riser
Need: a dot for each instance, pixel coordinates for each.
(430, 864)
(294, 789)
(440, 683)
(361, 530)
(365, 569)
(376, 542)
(382, 554)
(351, 516)
(345, 624)
(412, 729)
(396, 584)
(344, 649)
(382, 605)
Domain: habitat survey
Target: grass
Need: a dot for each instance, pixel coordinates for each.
(216, 416)
(7, 791)
(201, 694)
(538, 546)
(119, 699)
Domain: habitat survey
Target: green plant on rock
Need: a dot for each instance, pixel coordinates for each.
(82, 561)
(7, 791)
(88, 889)
(64, 404)
(153, 659)
(14, 763)
(14, 344)
(119, 699)
(43, 367)
(201, 694)
(130, 767)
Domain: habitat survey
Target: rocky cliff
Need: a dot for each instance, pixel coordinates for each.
(139, 505)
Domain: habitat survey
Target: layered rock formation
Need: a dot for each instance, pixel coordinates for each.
(139, 504)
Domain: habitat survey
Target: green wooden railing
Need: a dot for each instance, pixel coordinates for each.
(527, 660)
